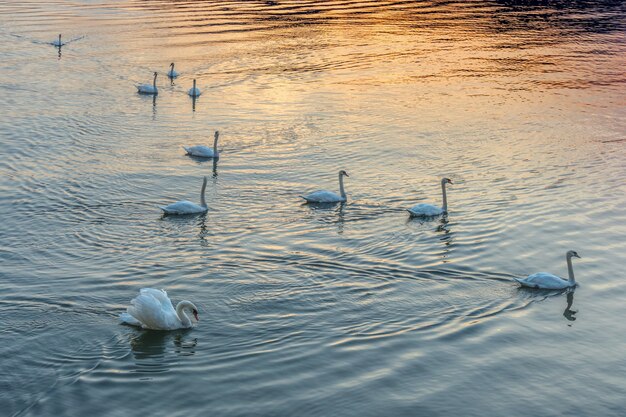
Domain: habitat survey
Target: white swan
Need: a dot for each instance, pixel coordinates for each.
(171, 73)
(328, 196)
(187, 207)
(152, 309)
(428, 210)
(194, 91)
(147, 88)
(58, 42)
(204, 151)
(548, 281)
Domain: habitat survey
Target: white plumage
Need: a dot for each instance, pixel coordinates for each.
(187, 207)
(194, 91)
(204, 151)
(152, 309)
(547, 281)
(324, 196)
(147, 88)
(171, 73)
(429, 210)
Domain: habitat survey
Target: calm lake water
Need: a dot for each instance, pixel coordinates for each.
(341, 311)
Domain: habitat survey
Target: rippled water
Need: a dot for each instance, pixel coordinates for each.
(340, 311)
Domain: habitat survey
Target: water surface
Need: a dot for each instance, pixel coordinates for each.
(343, 311)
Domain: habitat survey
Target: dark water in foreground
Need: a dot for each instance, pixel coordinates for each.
(344, 311)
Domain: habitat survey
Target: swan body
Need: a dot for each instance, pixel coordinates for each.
(429, 210)
(171, 73)
(545, 280)
(328, 196)
(187, 207)
(194, 91)
(204, 151)
(152, 309)
(147, 88)
(57, 42)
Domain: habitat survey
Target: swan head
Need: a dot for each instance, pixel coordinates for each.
(217, 135)
(446, 181)
(187, 306)
(573, 254)
(172, 65)
(342, 173)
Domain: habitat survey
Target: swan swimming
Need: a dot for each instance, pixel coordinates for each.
(429, 210)
(171, 73)
(194, 91)
(204, 151)
(152, 309)
(328, 196)
(58, 42)
(187, 207)
(545, 280)
(147, 88)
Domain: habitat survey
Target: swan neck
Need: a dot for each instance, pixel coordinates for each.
(182, 316)
(154, 81)
(194, 84)
(570, 269)
(202, 200)
(445, 197)
(341, 190)
(215, 143)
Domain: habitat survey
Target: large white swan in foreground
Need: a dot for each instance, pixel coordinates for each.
(549, 281)
(147, 88)
(194, 91)
(204, 151)
(187, 207)
(328, 196)
(428, 210)
(171, 73)
(152, 309)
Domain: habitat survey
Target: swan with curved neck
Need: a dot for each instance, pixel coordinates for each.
(147, 88)
(187, 207)
(324, 196)
(171, 73)
(203, 151)
(194, 91)
(152, 309)
(545, 280)
(429, 210)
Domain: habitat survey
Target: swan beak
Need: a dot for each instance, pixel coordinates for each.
(578, 256)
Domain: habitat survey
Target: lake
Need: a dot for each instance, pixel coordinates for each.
(348, 310)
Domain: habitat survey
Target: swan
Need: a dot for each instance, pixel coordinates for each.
(428, 210)
(171, 73)
(328, 196)
(147, 88)
(194, 91)
(549, 281)
(58, 42)
(152, 309)
(204, 151)
(187, 207)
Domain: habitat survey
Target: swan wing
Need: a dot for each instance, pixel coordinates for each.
(146, 89)
(183, 207)
(200, 150)
(172, 74)
(425, 210)
(126, 318)
(544, 280)
(323, 197)
(152, 312)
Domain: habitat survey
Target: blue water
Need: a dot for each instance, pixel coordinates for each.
(351, 310)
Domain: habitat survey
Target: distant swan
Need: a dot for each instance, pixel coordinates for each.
(328, 196)
(194, 91)
(152, 309)
(171, 73)
(428, 210)
(204, 151)
(545, 280)
(147, 88)
(58, 42)
(187, 207)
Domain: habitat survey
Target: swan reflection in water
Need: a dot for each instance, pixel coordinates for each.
(570, 314)
(151, 344)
